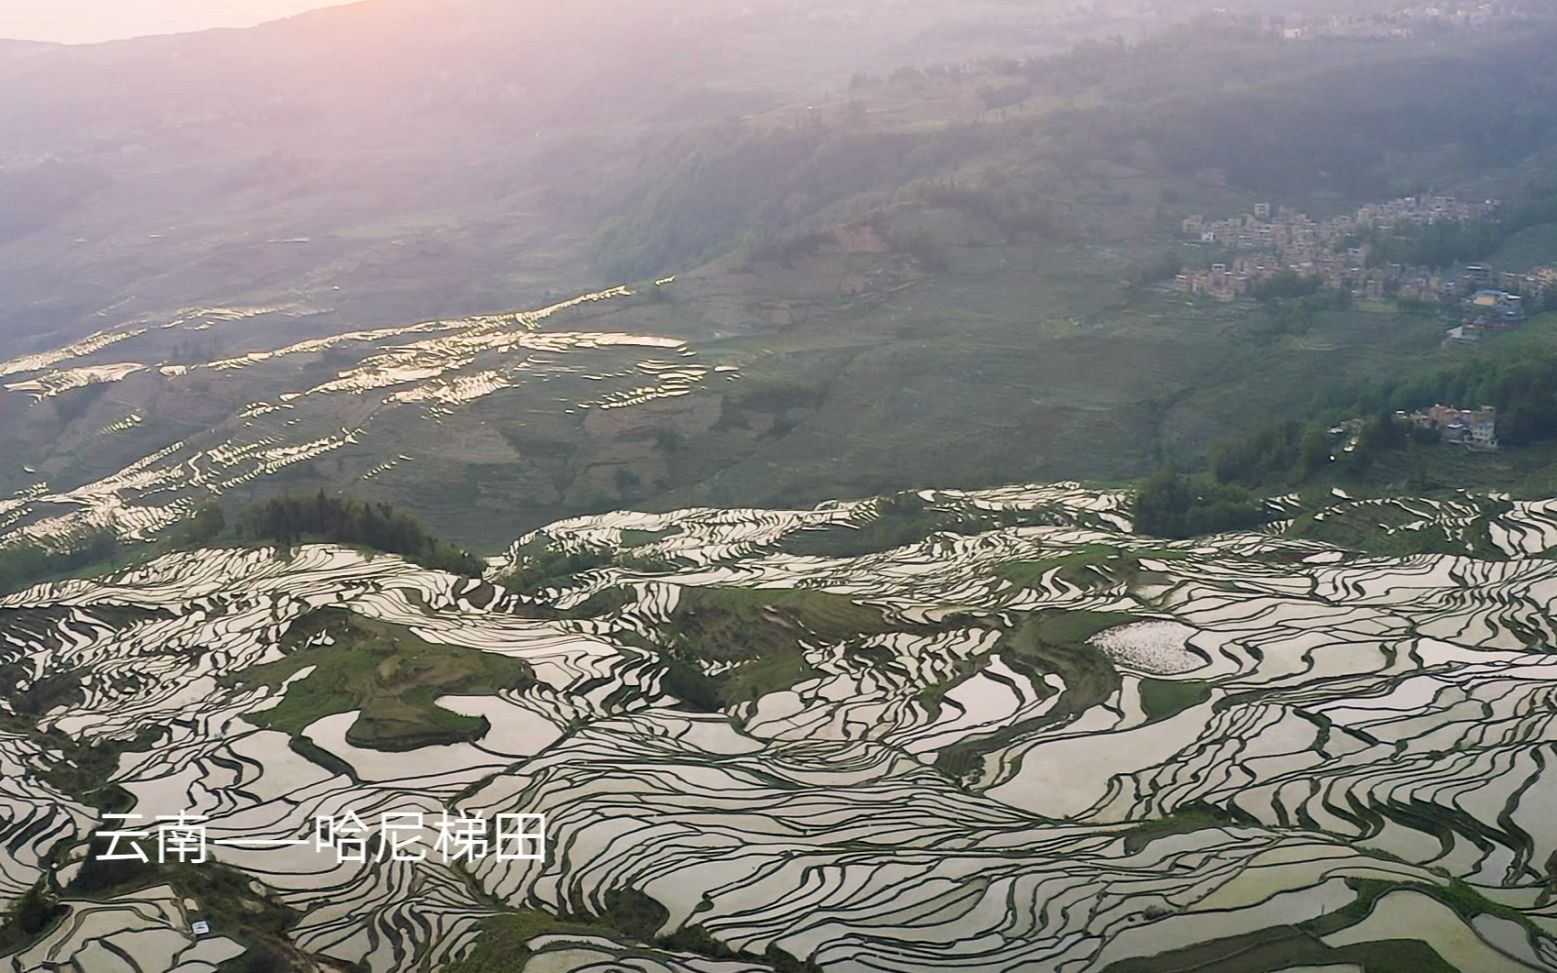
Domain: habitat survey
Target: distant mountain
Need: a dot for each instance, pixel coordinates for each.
(295, 292)
(18, 49)
(386, 129)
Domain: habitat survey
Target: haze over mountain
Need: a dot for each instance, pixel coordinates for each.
(91, 21)
(864, 205)
(155, 173)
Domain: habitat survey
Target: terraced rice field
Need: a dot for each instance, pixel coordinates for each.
(386, 388)
(1035, 742)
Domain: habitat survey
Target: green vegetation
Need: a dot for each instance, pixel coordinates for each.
(503, 944)
(901, 519)
(225, 897)
(1290, 454)
(28, 563)
(629, 915)
(1287, 285)
(709, 191)
(1067, 629)
(1520, 382)
(1522, 386)
(291, 520)
(205, 525)
(765, 630)
(1050, 641)
(81, 770)
(1184, 820)
(1532, 246)
(1276, 451)
(284, 521)
(942, 255)
(388, 674)
(1394, 530)
(1298, 314)
(1437, 245)
(643, 538)
(28, 918)
(1284, 137)
(1279, 119)
(635, 914)
(1456, 894)
(541, 566)
(1290, 134)
(1165, 698)
(1175, 506)
(1444, 244)
(1282, 948)
(1095, 565)
(39, 695)
(933, 300)
(697, 939)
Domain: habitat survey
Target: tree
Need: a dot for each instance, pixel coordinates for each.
(207, 523)
(1164, 267)
(1315, 452)
(286, 521)
(1175, 506)
(1286, 284)
(28, 917)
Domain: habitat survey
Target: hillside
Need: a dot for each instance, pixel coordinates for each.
(395, 159)
(926, 277)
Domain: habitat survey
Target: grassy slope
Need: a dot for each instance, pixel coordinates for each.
(765, 630)
(982, 400)
(392, 677)
(1046, 642)
(1533, 247)
(1024, 358)
(1528, 471)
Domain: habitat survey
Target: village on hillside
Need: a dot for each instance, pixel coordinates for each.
(1407, 20)
(1435, 18)
(1270, 242)
(1472, 429)
(1344, 254)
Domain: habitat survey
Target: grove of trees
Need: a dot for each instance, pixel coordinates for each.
(30, 562)
(291, 520)
(1175, 506)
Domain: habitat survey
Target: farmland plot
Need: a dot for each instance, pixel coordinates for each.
(1023, 739)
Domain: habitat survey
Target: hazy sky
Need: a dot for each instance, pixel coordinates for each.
(86, 21)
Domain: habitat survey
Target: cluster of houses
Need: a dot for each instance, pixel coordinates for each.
(1475, 429)
(1496, 302)
(1265, 243)
(1404, 20)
